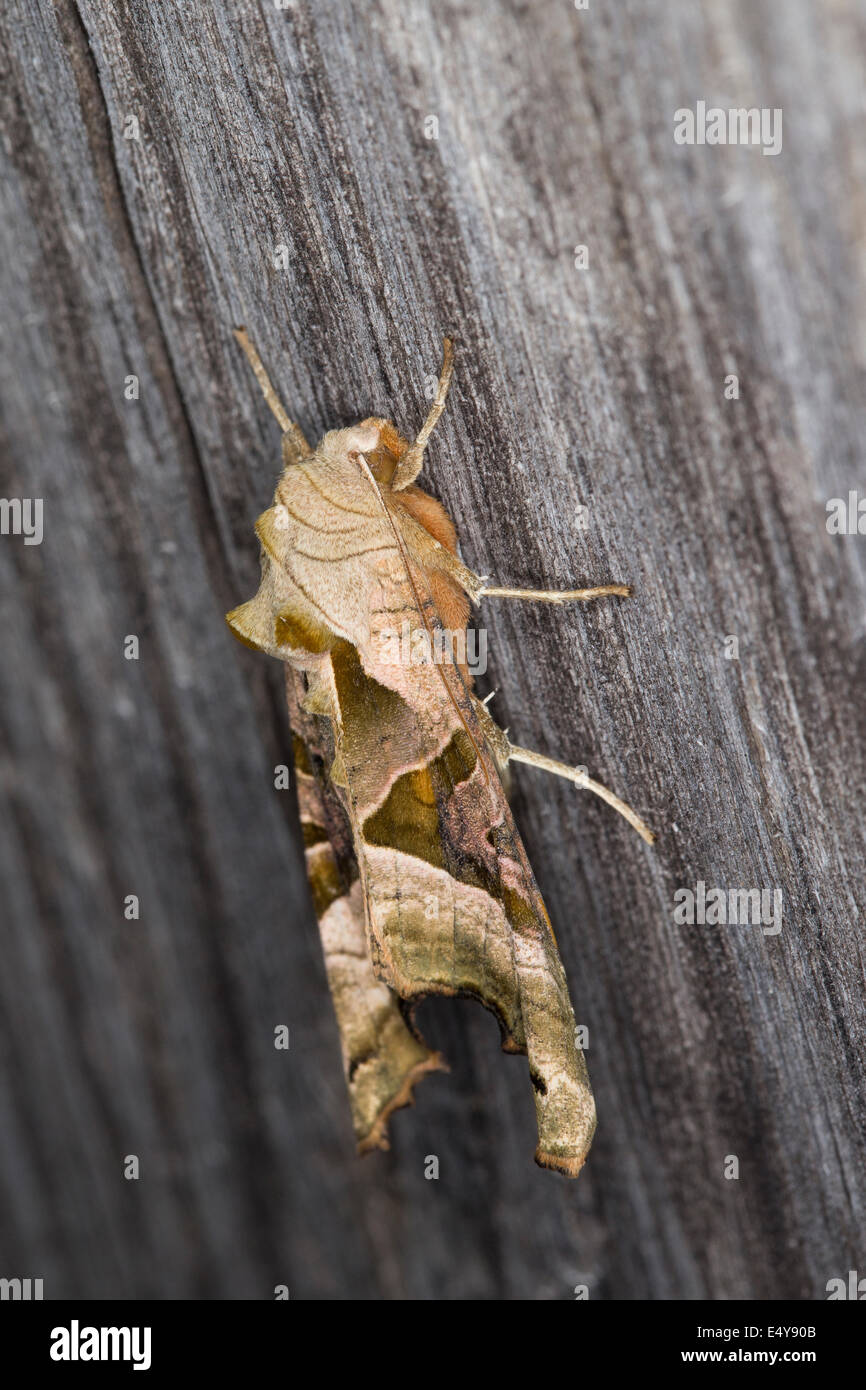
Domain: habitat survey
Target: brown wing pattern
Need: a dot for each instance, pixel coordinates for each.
(400, 764)
(452, 904)
(382, 1058)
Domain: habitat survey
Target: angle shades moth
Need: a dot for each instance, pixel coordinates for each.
(419, 878)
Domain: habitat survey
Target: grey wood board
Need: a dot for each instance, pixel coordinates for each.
(587, 439)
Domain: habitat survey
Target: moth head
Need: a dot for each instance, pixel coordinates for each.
(383, 457)
(338, 447)
(377, 440)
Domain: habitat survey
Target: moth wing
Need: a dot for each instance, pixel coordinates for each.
(382, 1057)
(451, 903)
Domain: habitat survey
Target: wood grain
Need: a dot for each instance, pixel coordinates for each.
(602, 388)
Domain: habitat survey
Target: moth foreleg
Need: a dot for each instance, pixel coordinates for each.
(294, 446)
(412, 461)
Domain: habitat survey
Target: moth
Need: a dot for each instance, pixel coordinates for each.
(419, 878)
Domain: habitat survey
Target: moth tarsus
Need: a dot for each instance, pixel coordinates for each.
(419, 878)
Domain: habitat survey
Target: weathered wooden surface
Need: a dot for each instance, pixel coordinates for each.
(601, 388)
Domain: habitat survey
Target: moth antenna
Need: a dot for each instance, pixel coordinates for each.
(412, 461)
(574, 774)
(263, 379)
(295, 446)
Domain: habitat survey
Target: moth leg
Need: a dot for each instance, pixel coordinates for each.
(553, 595)
(504, 751)
(295, 446)
(412, 461)
(580, 779)
(477, 586)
